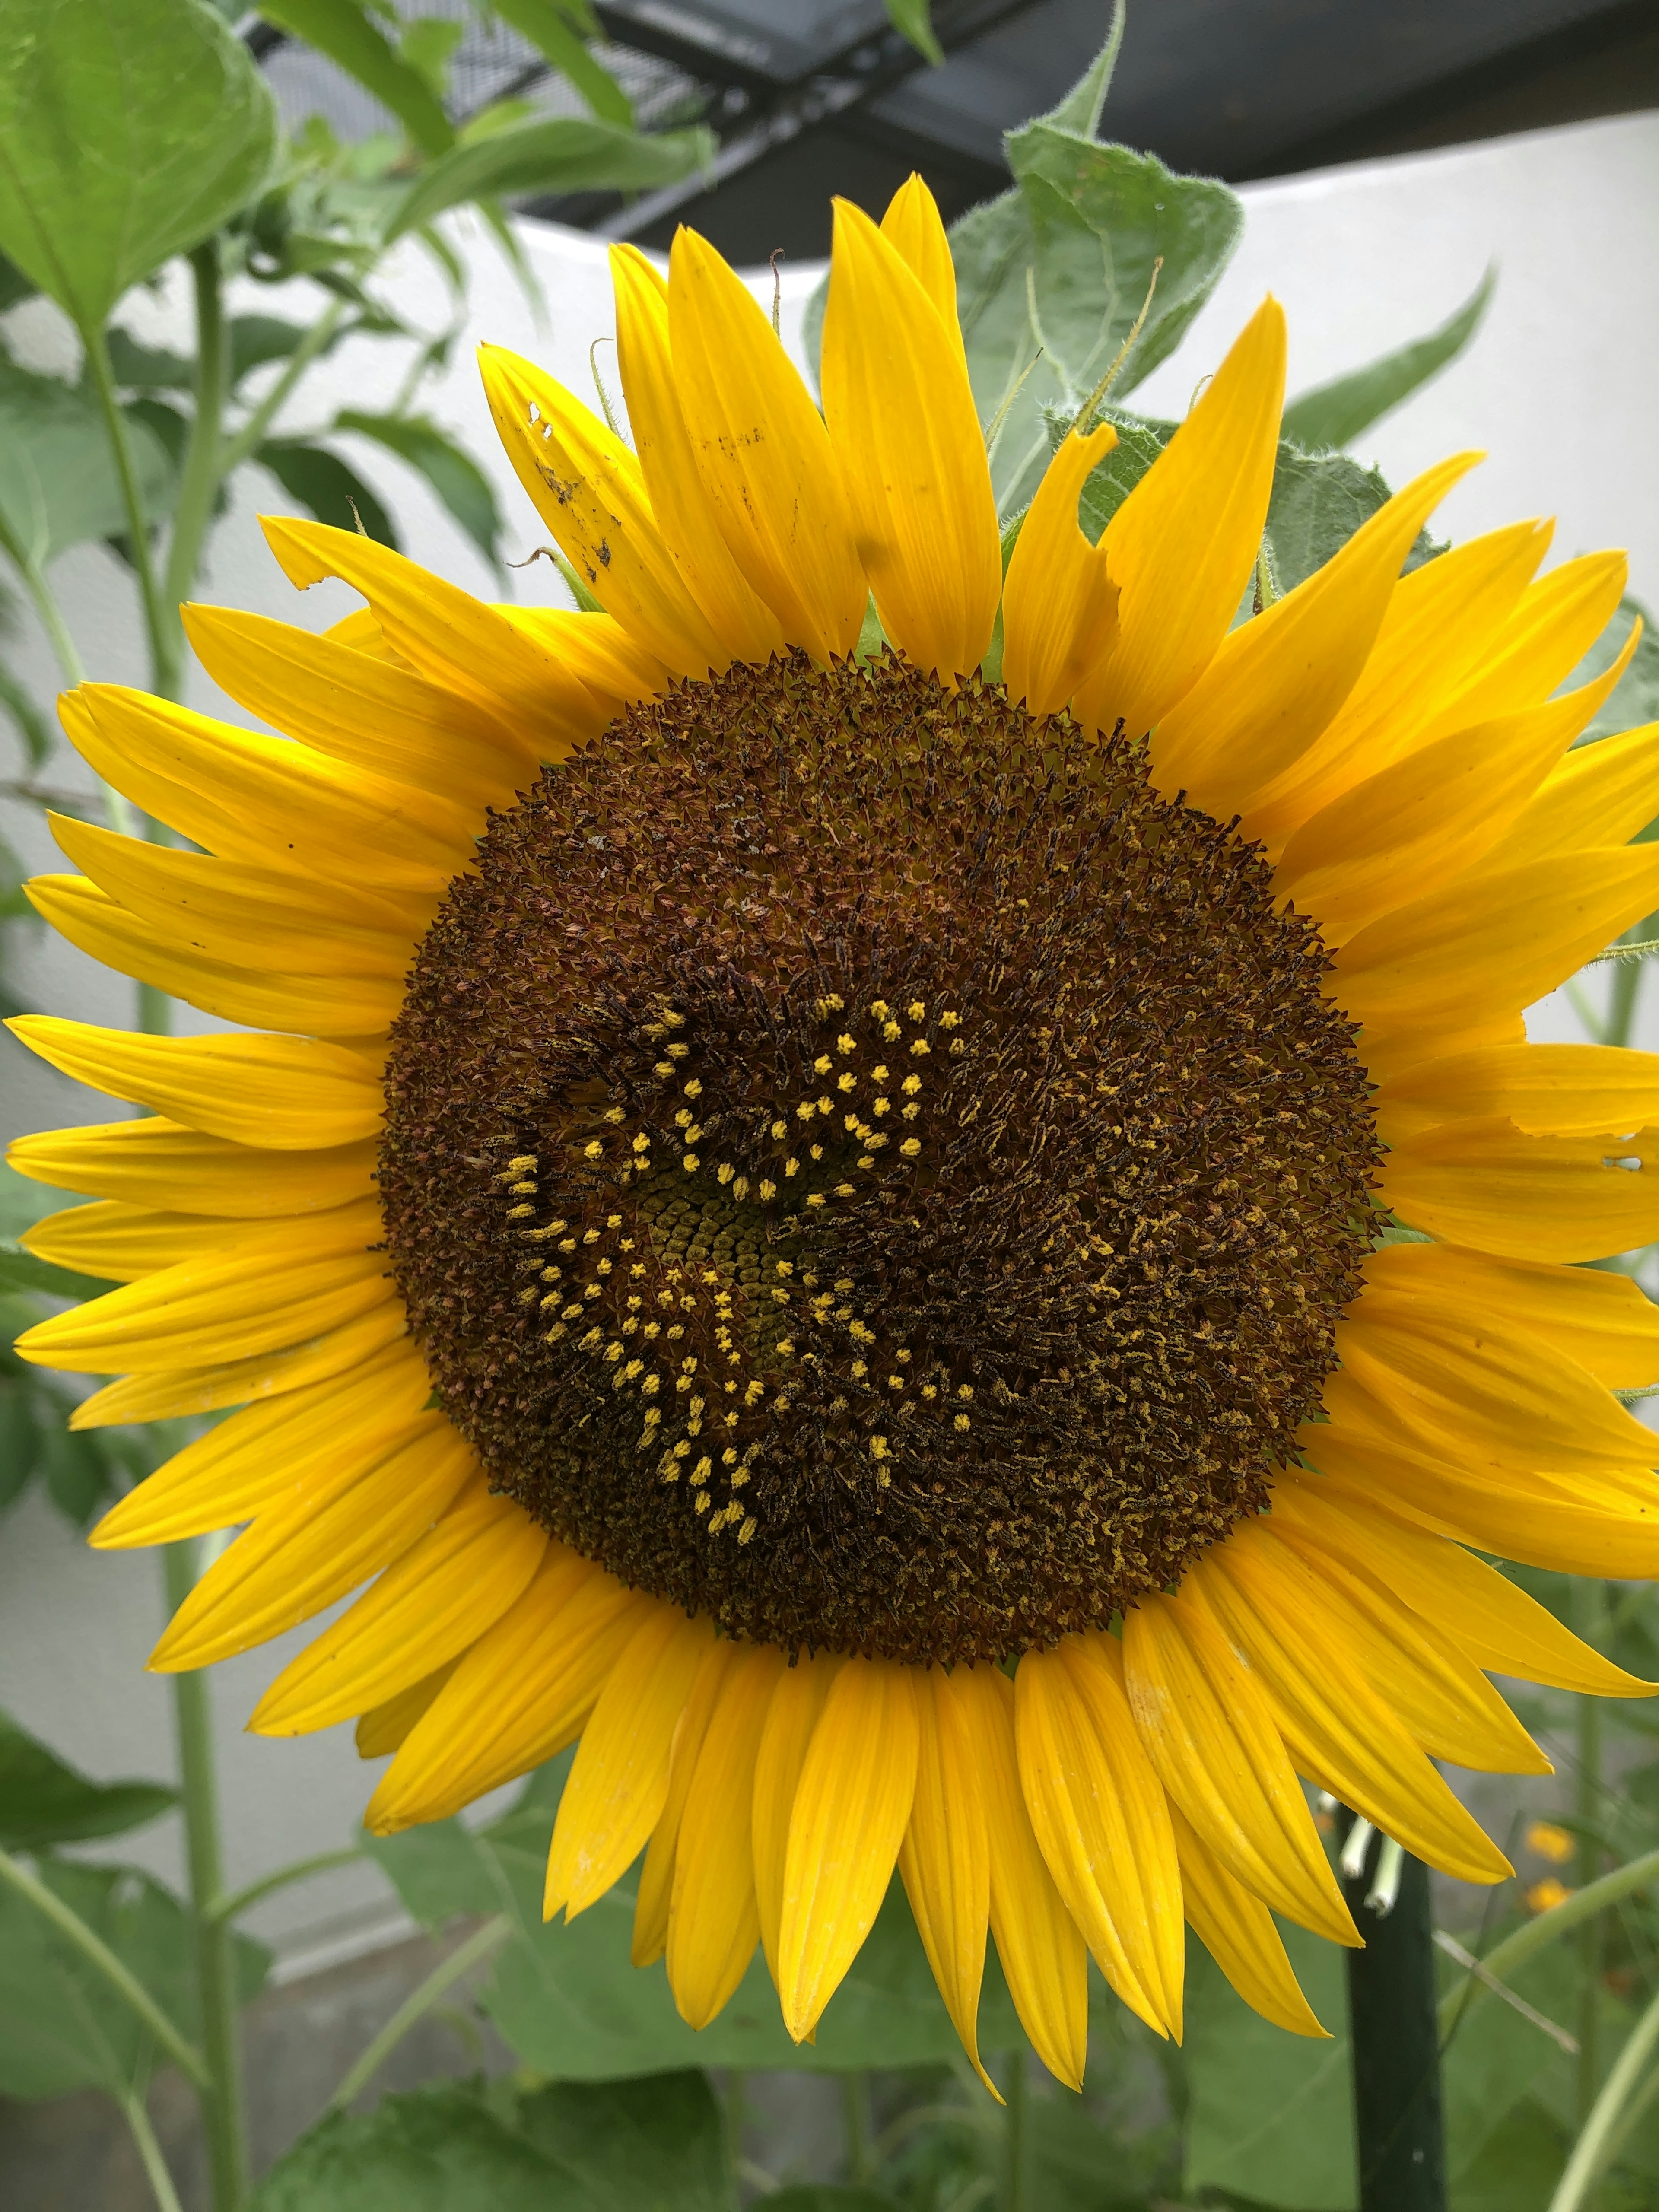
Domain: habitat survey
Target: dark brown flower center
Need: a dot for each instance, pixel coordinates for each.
(862, 1164)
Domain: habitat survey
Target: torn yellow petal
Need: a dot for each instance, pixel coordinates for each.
(1485, 1184)
(945, 1861)
(1546, 1090)
(851, 1808)
(429, 1608)
(615, 1794)
(1183, 544)
(1059, 605)
(290, 1093)
(745, 626)
(901, 416)
(1277, 682)
(763, 453)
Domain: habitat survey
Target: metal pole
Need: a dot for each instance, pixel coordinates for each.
(1398, 2122)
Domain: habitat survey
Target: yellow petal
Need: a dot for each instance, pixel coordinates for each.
(1213, 1739)
(1337, 1730)
(1604, 1321)
(1237, 1931)
(1183, 544)
(437, 1600)
(278, 1287)
(156, 1163)
(945, 1861)
(915, 229)
(445, 634)
(1060, 605)
(387, 1726)
(520, 1694)
(1276, 682)
(1485, 1184)
(1386, 1054)
(746, 627)
(615, 1794)
(270, 1453)
(1038, 1942)
(1553, 626)
(184, 1392)
(1602, 794)
(301, 1555)
(901, 416)
(613, 667)
(764, 454)
(656, 1890)
(250, 917)
(121, 1244)
(311, 1004)
(1502, 940)
(289, 1093)
(715, 1924)
(1500, 1627)
(1430, 817)
(1546, 1090)
(1079, 1812)
(587, 489)
(797, 1703)
(852, 1805)
(362, 710)
(299, 807)
(1442, 620)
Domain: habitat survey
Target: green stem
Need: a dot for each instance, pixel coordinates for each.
(1505, 1960)
(215, 1958)
(417, 2004)
(44, 600)
(149, 2152)
(1591, 1607)
(243, 1900)
(93, 1949)
(1622, 995)
(1595, 2141)
(1013, 2134)
(855, 2123)
(199, 479)
(165, 639)
(240, 446)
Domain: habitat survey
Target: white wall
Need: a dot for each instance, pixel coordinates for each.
(1557, 387)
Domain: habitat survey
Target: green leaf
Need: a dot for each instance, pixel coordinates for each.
(1634, 698)
(21, 1271)
(824, 2196)
(913, 20)
(21, 1438)
(456, 477)
(556, 32)
(1063, 263)
(129, 130)
(1332, 414)
(326, 487)
(14, 285)
(78, 1475)
(427, 43)
(342, 30)
(58, 484)
(1495, 2061)
(648, 2146)
(44, 1801)
(60, 2026)
(1269, 2116)
(555, 153)
(148, 368)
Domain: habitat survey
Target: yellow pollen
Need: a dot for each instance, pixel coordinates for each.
(522, 1164)
(518, 1212)
(963, 1423)
(921, 1047)
(950, 1021)
(891, 1032)
(880, 1008)
(616, 1114)
(910, 1147)
(678, 1051)
(911, 1084)
(594, 1152)
(848, 1082)
(689, 1163)
(916, 1010)
(694, 1089)
(768, 1190)
(823, 1064)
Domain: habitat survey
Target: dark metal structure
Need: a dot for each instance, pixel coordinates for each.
(813, 97)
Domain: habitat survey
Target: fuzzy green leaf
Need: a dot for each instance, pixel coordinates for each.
(44, 1800)
(342, 30)
(1333, 415)
(554, 154)
(129, 130)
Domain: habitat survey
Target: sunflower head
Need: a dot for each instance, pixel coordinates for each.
(945, 1253)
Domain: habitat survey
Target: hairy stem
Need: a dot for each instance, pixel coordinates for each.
(415, 2007)
(216, 1959)
(98, 1954)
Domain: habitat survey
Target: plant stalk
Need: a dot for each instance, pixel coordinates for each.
(1590, 1604)
(1013, 2133)
(1505, 1959)
(1598, 2137)
(1395, 2047)
(243, 1900)
(243, 442)
(215, 1957)
(150, 2153)
(855, 2121)
(415, 2007)
(199, 478)
(165, 639)
(98, 1954)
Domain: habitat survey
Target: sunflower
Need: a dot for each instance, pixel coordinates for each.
(907, 1201)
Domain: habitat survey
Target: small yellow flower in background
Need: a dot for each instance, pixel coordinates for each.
(746, 1447)
(1551, 1843)
(1544, 1896)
